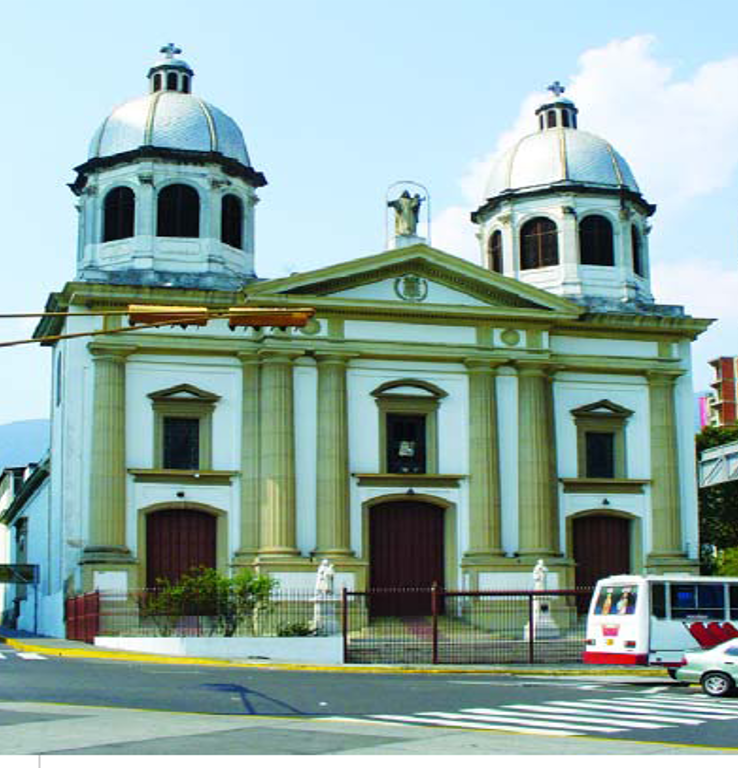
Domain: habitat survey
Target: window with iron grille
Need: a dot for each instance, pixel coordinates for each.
(181, 443)
(539, 246)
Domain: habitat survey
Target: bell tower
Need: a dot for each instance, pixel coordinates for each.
(168, 193)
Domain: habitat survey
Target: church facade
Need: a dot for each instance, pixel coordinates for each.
(435, 421)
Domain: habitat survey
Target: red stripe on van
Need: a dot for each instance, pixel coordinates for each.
(597, 657)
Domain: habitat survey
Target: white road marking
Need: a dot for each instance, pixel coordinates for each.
(635, 712)
(30, 656)
(450, 723)
(539, 711)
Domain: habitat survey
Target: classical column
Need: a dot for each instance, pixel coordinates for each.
(538, 514)
(107, 511)
(484, 463)
(277, 504)
(250, 439)
(332, 502)
(666, 523)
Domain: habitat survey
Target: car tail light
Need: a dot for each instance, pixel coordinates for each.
(630, 643)
(591, 642)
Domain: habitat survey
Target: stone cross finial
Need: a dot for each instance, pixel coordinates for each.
(556, 88)
(170, 50)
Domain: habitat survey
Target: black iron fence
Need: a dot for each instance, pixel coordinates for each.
(157, 613)
(433, 626)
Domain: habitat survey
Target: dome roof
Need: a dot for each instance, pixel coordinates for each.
(170, 117)
(560, 156)
(170, 120)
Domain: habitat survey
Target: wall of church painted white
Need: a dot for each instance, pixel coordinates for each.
(388, 290)
(306, 423)
(570, 278)
(145, 250)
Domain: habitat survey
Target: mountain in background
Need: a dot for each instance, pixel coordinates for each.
(23, 442)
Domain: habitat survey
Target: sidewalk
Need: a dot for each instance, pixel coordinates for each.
(52, 646)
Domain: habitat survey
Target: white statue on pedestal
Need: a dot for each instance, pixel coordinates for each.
(324, 605)
(544, 627)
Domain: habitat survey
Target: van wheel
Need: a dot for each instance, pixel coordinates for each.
(717, 684)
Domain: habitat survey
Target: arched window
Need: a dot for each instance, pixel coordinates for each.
(157, 82)
(551, 115)
(120, 211)
(231, 221)
(595, 241)
(178, 212)
(495, 251)
(635, 244)
(565, 118)
(185, 84)
(172, 81)
(539, 245)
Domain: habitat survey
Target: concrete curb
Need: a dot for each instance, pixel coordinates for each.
(49, 649)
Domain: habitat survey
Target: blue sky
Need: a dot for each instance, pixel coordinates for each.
(338, 100)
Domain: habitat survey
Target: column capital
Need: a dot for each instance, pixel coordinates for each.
(484, 364)
(663, 377)
(279, 356)
(542, 368)
(117, 351)
(334, 358)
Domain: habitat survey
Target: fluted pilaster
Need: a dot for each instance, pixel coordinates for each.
(484, 480)
(107, 514)
(333, 521)
(277, 503)
(666, 523)
(250, 458)
(538, 514)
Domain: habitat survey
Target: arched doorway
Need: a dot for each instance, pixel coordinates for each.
(601, 547)
(178, 540)
(406, 546)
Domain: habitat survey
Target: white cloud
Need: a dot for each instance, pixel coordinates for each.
(679, 136)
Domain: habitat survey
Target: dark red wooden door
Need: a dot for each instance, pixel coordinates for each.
(406, 546)
(601, 548)
(177, 540)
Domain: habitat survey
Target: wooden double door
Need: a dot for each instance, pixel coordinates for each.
(406, 546)
(178, 540)
(601, 548)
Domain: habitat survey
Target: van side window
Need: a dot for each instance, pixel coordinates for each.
(697, 600)
(658, 600)
(733, 602)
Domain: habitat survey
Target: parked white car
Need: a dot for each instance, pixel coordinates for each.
(715, 669)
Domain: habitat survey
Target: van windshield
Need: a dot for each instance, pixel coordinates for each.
(617, 600)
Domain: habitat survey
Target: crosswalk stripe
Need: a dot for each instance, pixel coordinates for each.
(531, 710)
(500, 716)
(703, 710)
(640, 713)
(29, 656)
(2, 656)
(699, 700)
(452, 722)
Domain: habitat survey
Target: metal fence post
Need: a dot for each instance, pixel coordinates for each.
(344, 622)
(434, 608)
(531, 629)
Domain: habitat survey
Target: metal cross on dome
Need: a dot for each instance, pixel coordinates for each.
(556, 88)
(170, 50)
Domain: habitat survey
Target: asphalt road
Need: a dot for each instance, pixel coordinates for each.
(344, 712)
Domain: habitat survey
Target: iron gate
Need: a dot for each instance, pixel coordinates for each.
(490, 627)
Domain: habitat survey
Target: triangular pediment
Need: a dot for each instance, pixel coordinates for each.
(184, 392)
(604, 408)
(414, 276)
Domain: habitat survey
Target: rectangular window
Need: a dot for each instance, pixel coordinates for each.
(617, 601)
(733, 602)
(181, 443)
(658, 600)
(693, 600)
(600, 454)
(406, 443)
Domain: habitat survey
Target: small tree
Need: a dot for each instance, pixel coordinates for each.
(229, 602)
